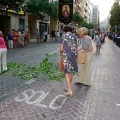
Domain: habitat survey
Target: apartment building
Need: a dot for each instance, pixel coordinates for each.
(95, 16)
(83, 7)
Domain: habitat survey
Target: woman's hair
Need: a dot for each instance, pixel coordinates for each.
(67, 29)
(1, 34)
(83, 31)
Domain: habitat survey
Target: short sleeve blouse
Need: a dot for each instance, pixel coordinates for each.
(85, 42)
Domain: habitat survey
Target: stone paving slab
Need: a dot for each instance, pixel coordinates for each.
(31, 55)
(44, 99)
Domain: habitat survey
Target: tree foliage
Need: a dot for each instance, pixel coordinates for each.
(77, 18)
(115, 15)
(38, 8)
(90, 26)
(11, 4)
(53, 12)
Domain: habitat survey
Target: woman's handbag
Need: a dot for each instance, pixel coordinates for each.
(81, 57)
(61, 64)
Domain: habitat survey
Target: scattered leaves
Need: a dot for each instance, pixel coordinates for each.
(46, 69)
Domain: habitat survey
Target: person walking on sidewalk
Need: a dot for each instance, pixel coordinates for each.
(68, 52)
(84, 75)
(98, 42)
(15, 38)
(10, 39)
(45, 36)
(27, 38)
(57, 35)
(37, 34)
(3, 52)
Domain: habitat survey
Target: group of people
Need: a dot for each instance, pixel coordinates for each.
(18, 38)
(13, 38)
(69, 50)
(39, 38)
(56, 34)
(113, 36)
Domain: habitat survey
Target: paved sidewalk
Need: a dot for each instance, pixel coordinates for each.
(44, 99)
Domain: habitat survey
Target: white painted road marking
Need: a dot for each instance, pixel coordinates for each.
(18, 99)
(30, 81)
(118, 105)
(53, 52)
(43, 97)
(53, 101)
(36, 97)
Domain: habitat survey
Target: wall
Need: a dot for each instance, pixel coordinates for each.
(32, 25)
(14, 22)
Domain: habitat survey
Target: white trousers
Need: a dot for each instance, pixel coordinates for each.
(10, 43)
(3, 60)
(84, 75)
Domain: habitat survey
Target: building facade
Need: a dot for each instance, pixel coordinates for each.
(13, 21)
(83, 7)
(95, 16)
(86, 10)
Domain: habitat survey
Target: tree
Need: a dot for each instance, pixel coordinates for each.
(77, 18)
(38, 8)
(115, 15)
(11, 5)
(90, 26)
(53, 12)
(84, 24)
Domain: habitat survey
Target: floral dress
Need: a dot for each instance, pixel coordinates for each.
(69, 55)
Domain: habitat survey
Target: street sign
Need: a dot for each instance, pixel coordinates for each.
(65, 11)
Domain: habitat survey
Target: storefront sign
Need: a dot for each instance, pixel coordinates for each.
(65, 11)
(21, 12)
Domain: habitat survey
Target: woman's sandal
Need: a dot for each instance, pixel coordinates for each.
(68, 93)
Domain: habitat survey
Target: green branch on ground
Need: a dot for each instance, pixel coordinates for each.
(46, 69)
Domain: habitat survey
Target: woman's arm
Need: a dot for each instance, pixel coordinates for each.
(79, 49)
(90, 48)
(61, 49)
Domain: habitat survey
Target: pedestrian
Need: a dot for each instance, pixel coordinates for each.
(61, 32)
(98, 42)
(37, 34)
(102, 37)
(3, 52)
(10, 40)
(15, 38)
(23, 39)
(27, 38)
(45, 36)
(84, 75)
(92, 35)
(53, 34)
(68, 52)
(57, 35)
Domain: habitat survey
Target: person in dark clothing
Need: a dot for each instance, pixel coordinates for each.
(53, 34)
(68, 52)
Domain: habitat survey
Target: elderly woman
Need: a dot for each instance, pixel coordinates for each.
(3, 52)
(84, 76)
(68, 52)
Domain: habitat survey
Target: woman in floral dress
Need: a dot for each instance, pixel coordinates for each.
(68, 52)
